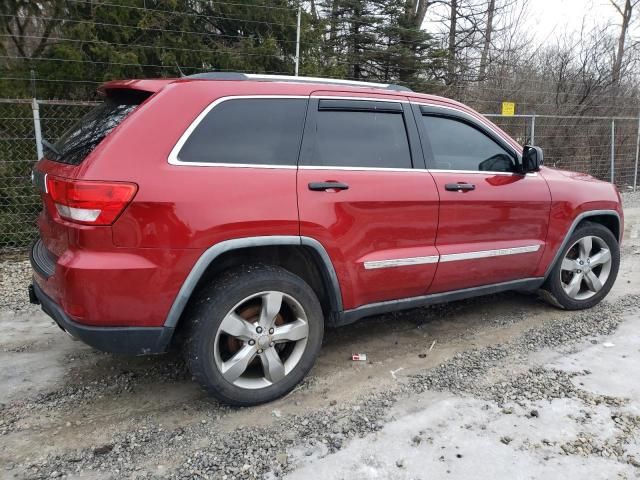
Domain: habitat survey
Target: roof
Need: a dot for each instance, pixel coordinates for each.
(155, 85)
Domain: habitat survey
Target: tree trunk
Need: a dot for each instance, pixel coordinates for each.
(617, 61)
(451, 68)
(333, 21)
(414, 13)
(487, 40)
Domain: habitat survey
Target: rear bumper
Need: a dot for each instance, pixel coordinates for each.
(124, 340)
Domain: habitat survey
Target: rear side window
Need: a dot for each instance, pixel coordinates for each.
(263, 131)
(81, 139)
(456, 145)
(352, 138)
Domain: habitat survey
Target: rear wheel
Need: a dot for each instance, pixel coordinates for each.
(254, 335)
(586, 269)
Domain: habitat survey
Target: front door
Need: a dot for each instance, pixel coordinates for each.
(493, 221)
(361, 197)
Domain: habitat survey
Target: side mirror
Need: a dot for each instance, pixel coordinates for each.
(532, 159)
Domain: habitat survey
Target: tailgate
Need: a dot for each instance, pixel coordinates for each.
(65, 159)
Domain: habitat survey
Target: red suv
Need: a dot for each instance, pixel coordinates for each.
(238, 215)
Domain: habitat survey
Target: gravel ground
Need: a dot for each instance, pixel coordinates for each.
(631, 199)
(67, 411)
(15, 278)
(253, 452)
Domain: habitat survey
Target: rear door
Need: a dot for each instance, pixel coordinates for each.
(493, 220)
(361, 197)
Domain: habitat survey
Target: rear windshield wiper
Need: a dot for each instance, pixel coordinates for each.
(50, 146)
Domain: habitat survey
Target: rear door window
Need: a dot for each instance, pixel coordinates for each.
(248, 131)
(81, 139)
(357, 133)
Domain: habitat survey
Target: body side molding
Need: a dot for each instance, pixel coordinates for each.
(574, 224)
(218, 249)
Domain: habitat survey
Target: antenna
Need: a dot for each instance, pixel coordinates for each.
(180, 70)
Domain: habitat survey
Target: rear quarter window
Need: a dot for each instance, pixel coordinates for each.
(82, 138)
(251, 131)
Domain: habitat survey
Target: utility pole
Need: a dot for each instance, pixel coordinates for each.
(298, 40)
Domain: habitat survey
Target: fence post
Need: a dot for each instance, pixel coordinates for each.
(36, 127)
(533, 129)
(298, 40)
(613, 149)
(635, 170)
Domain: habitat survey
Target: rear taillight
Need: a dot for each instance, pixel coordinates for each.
(90, 202)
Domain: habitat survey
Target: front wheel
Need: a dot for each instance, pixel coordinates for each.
(586, 269)
(254, 335)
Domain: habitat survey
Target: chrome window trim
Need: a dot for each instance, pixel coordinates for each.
(476, 172)
(173, 155)
(374, 169)
(233, 165)
(499, 252)
(400, 262)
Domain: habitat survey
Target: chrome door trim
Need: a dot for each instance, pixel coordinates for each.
(449, 257)
(400, 262)
(453, 257)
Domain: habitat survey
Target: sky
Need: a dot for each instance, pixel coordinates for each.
(549, 19)
(553, 17)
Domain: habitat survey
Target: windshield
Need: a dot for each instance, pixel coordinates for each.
(81, 139)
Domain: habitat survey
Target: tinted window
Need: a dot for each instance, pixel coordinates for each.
(360, 139)
(81, 139)
(255, 131)
(458, 146)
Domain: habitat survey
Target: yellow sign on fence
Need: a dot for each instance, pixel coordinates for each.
(508, 109)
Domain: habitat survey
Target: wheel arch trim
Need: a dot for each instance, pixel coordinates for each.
(209, 255)
(574, 225)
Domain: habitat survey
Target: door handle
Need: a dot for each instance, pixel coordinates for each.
(459, 187)
(322, 186)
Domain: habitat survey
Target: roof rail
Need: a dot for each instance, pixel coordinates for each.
(289, 78)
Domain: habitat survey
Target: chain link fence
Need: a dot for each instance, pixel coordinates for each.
(19, 203)
(604, 147)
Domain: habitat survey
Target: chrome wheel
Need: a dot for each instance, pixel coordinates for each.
(585, 268)
(261, 340)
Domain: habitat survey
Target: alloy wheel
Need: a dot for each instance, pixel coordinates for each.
(261, 340)
(585, 267)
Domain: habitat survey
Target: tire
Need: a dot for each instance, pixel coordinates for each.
(560, 287)
(243, 302)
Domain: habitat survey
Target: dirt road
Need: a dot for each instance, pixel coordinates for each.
(503, 386)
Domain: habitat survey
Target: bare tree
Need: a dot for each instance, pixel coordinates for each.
(415, 11)
(29, 25)
(451, 46)
(487, 39)
(625, 12)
